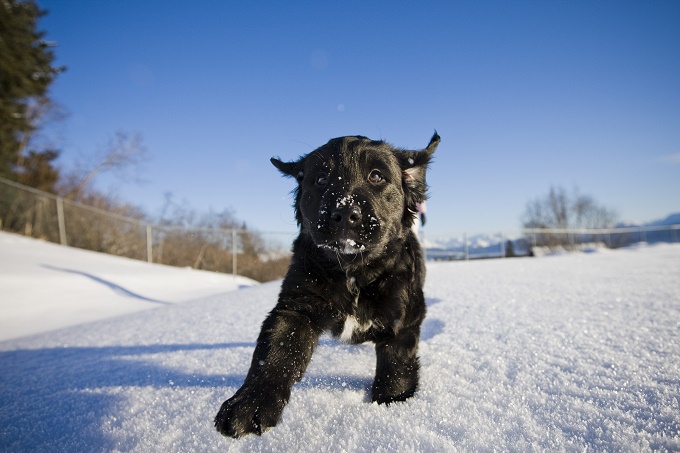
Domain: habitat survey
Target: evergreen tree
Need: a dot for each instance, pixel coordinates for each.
(39, 172)
(26, 73)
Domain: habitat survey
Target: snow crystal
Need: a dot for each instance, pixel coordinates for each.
(344, 201)
(347, 247)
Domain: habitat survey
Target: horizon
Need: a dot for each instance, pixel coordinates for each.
(525, 96)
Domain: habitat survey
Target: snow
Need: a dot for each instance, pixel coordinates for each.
(45, 286)
(571, 352)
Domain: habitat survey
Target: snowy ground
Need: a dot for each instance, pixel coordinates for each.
(45, 286)
(573, 352)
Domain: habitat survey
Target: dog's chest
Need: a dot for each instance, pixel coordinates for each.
(353, 326)
(357, 321)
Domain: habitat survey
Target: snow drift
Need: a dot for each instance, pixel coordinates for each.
(45, 286)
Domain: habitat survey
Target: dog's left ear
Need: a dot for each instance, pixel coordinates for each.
(413, 166)
(289, 169)
(414, 163)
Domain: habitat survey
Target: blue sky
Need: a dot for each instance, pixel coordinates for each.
(524, 94)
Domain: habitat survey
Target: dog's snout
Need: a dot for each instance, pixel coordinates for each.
(347, 216)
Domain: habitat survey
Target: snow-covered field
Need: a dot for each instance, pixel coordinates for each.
(45, 286)
(573, 352)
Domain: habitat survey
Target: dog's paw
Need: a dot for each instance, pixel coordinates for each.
(386, 399)
(386, 391)
(248, 412)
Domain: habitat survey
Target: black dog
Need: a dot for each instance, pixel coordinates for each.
(357, 271)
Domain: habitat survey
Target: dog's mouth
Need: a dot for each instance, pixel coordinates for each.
(344, 246)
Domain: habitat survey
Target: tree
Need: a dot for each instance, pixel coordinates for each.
(123, 153)
(38, 170)
(561, 211)
(558, 209)
(26, 72)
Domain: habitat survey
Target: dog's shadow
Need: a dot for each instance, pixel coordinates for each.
(430, 301)
(431, 328)
(77, 378)
(336, 382)
(340, 381)
(74, 383)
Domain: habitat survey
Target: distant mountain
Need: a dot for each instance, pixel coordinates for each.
(673, 219)
(479, 246)
(480, 241)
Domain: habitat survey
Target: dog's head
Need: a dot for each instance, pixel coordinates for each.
(355, 195)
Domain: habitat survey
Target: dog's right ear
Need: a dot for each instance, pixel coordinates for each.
(289, 169)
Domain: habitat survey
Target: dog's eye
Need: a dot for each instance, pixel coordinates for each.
(321, 179)
(375, 177)
(300, 176)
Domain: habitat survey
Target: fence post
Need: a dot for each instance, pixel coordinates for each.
(60, 220)
(233, 251)
(503, 251)
(467, 253)
(149, 244)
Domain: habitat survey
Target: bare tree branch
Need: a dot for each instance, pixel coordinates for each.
(123, 152)
(558, 209)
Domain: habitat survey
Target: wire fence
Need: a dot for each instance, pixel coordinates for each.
(262, 255)
(259, 255)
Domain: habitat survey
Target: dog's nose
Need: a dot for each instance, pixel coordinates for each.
(347, 216)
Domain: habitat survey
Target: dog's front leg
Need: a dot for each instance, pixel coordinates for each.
(283, 351)
(396, 376)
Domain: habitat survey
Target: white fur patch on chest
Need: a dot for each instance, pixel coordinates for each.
(352, 325)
